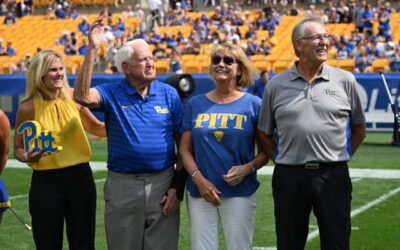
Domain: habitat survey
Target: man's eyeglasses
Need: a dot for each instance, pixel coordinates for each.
(318, 37)
(228, 60)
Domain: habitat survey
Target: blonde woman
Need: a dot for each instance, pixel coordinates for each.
(62, 187)
(217, 150)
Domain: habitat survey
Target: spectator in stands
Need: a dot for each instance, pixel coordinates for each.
(390, 49)
(251, 47)
(50, 14)
(259, 86)
(236, 19)
(216, 16)
(60, 12)
(175, 63)
(74, 14)
(29, 7)
(9, 19)
(120, 23)
(84, 26)
(223, 183)
(159, 52)
(118, 34)
(368, 18)
(264, 48)
(20, 9)
(139, 14)
(363, 62)
(62, 189)
(343, 51)
(70, 48)
(10, 50)
(111, 69)
(83, 48)
(156, 13)
(384, 28)
(294, 11)
(3, 51)
(108, 35)
(358, 15)
(209, 3)
(154, 37)
(64, 39)
(18, 68)
(395, 61)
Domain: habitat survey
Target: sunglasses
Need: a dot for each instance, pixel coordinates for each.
(226, 59)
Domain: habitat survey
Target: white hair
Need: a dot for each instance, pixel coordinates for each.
(125, 53)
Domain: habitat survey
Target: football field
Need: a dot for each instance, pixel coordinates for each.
(375, 172)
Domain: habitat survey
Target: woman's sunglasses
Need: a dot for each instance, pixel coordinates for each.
(226, 59)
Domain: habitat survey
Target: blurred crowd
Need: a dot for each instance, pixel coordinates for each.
(224, 23)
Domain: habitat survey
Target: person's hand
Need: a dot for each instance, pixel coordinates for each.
(170, 201)
(96, 33)
(33, 157)
(207, 190)
(236, 174)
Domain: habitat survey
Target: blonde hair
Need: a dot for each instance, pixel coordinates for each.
(249, 72)
(39, 67)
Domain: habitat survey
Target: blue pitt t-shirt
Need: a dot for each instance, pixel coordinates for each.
(223, 135)
(140, 131)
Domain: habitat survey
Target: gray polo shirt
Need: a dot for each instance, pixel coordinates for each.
(312, 121)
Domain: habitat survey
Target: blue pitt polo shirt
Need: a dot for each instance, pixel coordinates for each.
(140, 131)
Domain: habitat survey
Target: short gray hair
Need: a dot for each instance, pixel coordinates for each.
(298, 30)
(125, 53)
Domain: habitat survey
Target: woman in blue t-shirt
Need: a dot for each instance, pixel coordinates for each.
(218, 151)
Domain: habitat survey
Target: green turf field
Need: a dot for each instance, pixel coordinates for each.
(375, 206)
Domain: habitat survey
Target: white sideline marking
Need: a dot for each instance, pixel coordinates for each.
(355, 173)
(266, 170)
(361, 209)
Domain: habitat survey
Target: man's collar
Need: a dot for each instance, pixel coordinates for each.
(130, 90)
(294, 74)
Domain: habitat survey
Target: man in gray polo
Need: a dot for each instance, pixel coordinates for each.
(311, 122)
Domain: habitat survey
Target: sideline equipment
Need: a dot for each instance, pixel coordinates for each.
(395, 110)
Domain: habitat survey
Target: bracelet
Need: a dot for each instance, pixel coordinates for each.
(194, 173)
(253, 168)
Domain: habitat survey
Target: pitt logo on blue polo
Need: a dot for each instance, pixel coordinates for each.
(160, 110)
(33, 135)
(220, 120)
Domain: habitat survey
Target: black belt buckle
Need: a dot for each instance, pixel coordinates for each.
(311, 165)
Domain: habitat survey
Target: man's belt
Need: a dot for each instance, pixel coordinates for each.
(316, 165)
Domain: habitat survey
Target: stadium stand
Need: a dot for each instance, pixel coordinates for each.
(192, 35)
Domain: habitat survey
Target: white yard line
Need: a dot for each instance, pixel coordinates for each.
(361, 209)
(266, 170)
(355, 173)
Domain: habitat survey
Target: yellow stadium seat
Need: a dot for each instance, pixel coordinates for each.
(262, 65)
(187, 57)
(332, 62)
(200, 58)
(380, 63)
(204, 67)
(191, 67)
(162, 66)
(346, 64)
(280, 66)
(257, 57)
